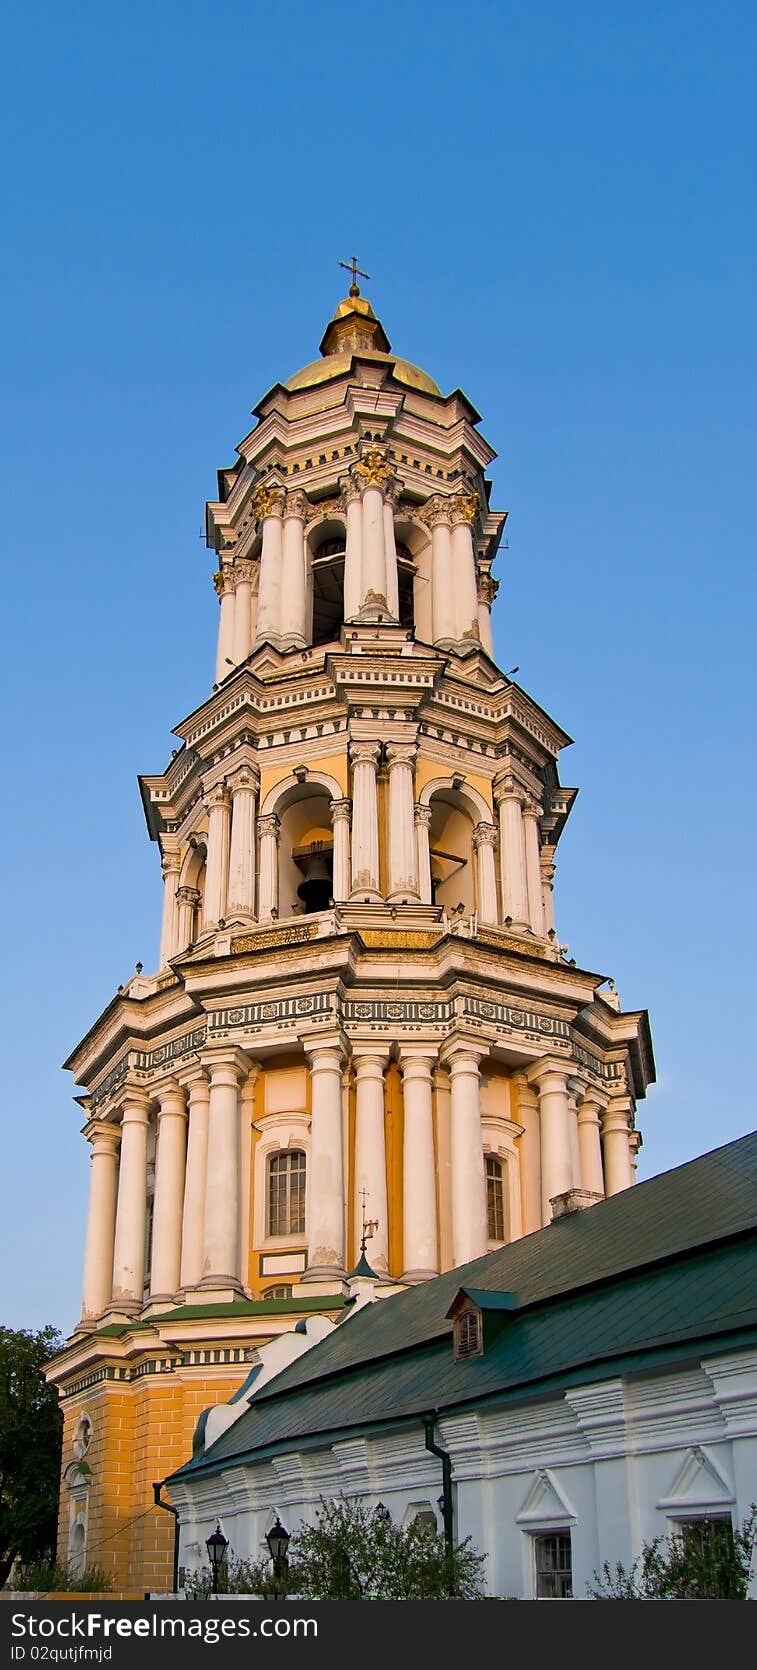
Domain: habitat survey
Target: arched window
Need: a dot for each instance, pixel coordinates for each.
(405, 580)
(327, 579)
(286, 1193)
(495, 1199)
(282, 1290)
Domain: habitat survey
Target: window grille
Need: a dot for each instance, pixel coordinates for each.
(554, 1570)
(468, 1341)
(495, 1199)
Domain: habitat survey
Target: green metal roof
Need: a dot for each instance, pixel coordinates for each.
(649, 1274)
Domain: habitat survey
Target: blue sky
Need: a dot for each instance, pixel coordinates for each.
(556, 204)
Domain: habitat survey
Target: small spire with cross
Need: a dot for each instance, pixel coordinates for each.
(357, 272)
(370, 1225)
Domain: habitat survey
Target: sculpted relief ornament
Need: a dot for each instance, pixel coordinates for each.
(267, 500)
(373, 468)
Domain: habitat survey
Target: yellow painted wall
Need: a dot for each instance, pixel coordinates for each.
(426, 770)
(335, 765)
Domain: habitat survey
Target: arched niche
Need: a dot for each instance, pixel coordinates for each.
(456, 808)
(414, 576)
(306, 843)
(192, 876)
(326, 547)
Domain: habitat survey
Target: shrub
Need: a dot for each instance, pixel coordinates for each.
(704, 1560)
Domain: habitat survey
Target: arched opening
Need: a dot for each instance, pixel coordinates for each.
(327, 545)
(414, 578)
(77, 1547)
(496, 1199)
(451, 852)
(405, 585)
(306, 854)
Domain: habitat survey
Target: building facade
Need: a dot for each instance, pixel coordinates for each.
(361, 1016)
(593, 1386)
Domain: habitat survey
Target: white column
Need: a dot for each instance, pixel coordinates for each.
(420, 1241)
(294, 578)
(224, 585)
(268, 504)
(165, 1264)
(403, 844)
(487, 591)
(97, 1290)
(187, 900)
(390, 559)
(484, 842)
(241, 893)
(325, 1184)
(422, 825)
(218, 802)
(590, 1141)
(442, 575)
(530, 1154)
(131, 1209)
(551, 1080)
(370, 1149)
(365, 838)
(373, 584)
(531, 815)
(469, 1217)
(547, 867)
(193, 1220)
(169, 935)
(269, 830)
(341, 811)
(220, 1265)
(616, 1132)
(353, 560)
(242, 637)
(512, 853)
(464, 566)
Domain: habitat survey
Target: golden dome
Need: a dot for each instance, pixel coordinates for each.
(355, 329)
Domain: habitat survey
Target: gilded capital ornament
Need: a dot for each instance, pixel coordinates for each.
(267, 500)
(373, 467)
(465, 506)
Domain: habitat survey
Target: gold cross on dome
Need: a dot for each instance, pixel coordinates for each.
(357, 272)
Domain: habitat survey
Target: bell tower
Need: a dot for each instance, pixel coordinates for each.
(361, 1009)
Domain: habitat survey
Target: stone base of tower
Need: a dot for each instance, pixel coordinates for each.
(131, 1398)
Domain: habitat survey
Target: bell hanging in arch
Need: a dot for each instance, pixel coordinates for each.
(315, 888)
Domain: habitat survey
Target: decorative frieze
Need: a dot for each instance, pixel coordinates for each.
(397, 1013)
(512, 1019)
(148, 1060)
(250, 1017)
(293, 935)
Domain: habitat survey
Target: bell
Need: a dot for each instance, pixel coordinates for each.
(315, 888)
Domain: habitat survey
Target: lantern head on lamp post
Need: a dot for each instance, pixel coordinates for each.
(216, 1545)
(278, 1540)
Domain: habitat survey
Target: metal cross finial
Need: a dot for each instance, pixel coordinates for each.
(370, 1225)
(357, 272)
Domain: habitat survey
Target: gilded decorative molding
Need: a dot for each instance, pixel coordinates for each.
(507, 942)
(487, 589)
(392, 939)
(373, 467)
(275, 936)
(465, 506)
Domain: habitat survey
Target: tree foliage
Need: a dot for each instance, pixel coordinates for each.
(30, 1446)
(354, 1552)
(702, 1560)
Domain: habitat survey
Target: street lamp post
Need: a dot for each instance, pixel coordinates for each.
(278, 1540)
(216, 1545)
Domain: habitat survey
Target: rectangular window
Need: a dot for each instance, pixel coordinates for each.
(554, 1572)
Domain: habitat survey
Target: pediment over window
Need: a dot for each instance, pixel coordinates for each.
(698, 1483)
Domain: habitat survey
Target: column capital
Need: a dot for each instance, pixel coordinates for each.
(365, 753)
(326, 1054)
(224, 581)
(269, 825)
(591, 1105)
(437, 511)
(369, 1059)
(465, 506)
(507, 787)
(244, 571)
(267, 500)
(462, 1054)
(525, 1091)
(170, 864)
(135, 1105)
(188, 895)
(228, 1066)
(103, 1136)
(618, 1115)
(532, 808)
(195, 1081)
(350, 489)
(341, 810)
(416, 1061)
(487, 589)
(484, 835)
(400, 753)
(218, 795)
(422, 816)
(547, 1069)
(171, 1099)
(372, 468)
(244, 777)
(296, 505)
